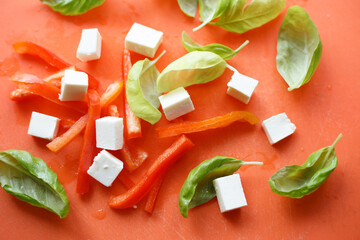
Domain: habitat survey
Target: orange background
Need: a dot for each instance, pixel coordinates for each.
(326, 106)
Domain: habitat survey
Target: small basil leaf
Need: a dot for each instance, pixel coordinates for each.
(298, 48)
(240, 17)
(193, 68)
(188, 7)
(296, 181)
(198, 187)
(31, 180)
(72, 7)
(141, 92)
(211, 9)
(223, 51)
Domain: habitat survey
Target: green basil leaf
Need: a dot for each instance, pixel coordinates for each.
(141, 93)
(29, 179)
(211, 9)
(72, 7)
(240, 17)
(298, 48)
(223, 51)
(296, 181)
(193, 68)
(188, 7)
(198, 187)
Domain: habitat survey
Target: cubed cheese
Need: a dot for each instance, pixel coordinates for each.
(143, 40)
(109, 133)
(74, 86)
(90, 45)
(241, 87)
(278, 127)
(105, 168)
(43, 126)
(229, 192)
(176, 103)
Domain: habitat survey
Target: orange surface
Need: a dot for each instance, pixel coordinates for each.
(323, 108)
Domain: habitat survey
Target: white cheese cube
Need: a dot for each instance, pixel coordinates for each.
(176, 103)
(109, 133)
(143, 40)
(229, 192)
(241, 87)
(278, 127)
(105, 168)
(74, 86)
(43, 126)
(90, 45)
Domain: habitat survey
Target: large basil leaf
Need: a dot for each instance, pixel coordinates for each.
(29, 179)
(298, 48)
(198, 187)
(194, 68)
(296, 181)
(211, 9)
(141, 92)
(240, 17)
(72, 7)
(223, 51)
(188, 7)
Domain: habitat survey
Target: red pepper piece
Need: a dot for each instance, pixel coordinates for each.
(89, 144)
(46, 90)
(160, 166)
(132, 122)
(152, 196)
(113, 111)
(49, 57)
(125, 179)
(133, 158)
(212, 123)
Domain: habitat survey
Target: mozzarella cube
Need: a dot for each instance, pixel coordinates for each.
(105, 168)
(143, 40)
(176, 103)
(43, 126)
(241, 87)
(74, 86)
(229, 192)
(109, 133)
(90, 45)
(278, 127)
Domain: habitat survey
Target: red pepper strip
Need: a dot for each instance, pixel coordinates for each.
(55, 78)
(125, 179)
(46, 90)
(160, 166)
(152, 196)
(132, 122)
(113, 111)
(89, 144)
(20, 94)
(60, 142)
(212, 123)
(67, 123)
(49, 57)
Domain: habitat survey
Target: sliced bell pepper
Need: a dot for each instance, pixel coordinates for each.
(133, 158)
(212, 123)
(55, 78)
(160, 166)
(132, 122)
(125, 179)
(20, 94)
(60, 142)
(46, 90)
(152, 196)
(49, 57)
(67, 123)
(113, 111)
(89, 143)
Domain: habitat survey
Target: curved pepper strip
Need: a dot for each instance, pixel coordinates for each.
(212, 123)
(60, 142)
(49, 57)
(132, 122)
(152, 196)
(160, 166)
(89, 144)
(33, 84)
